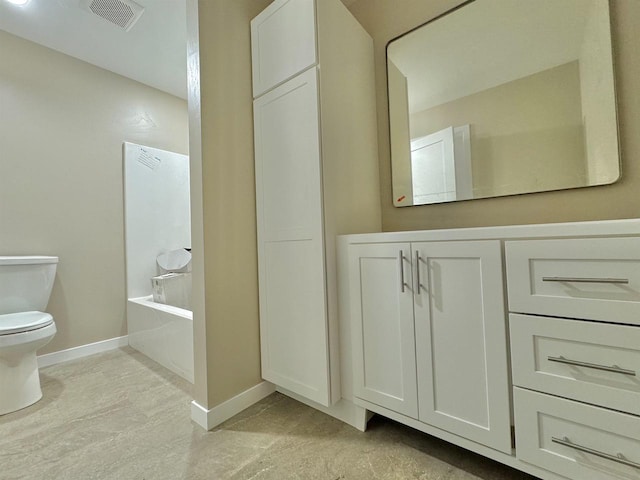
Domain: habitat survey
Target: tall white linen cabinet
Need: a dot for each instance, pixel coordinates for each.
(316, 177)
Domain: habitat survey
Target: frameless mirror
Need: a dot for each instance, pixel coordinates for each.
(503, 97)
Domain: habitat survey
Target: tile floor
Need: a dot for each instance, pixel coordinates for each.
(119, 416)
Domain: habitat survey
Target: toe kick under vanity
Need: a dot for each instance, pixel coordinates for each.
(520, 343)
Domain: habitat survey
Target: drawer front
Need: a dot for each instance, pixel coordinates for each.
(576, 440)
(592, 362)
(595, 279)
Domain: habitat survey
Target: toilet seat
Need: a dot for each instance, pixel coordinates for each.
(13, 323)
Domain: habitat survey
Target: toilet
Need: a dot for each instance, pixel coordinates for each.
(173, 285)
(25, 288)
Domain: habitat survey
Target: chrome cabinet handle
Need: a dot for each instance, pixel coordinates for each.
(619, 458)
(400, 260)
(595, 366)
(418, 272)
(586, 280)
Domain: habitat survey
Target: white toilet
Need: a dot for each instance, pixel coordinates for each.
(25, 287)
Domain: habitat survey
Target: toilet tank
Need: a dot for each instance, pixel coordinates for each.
(26, 283)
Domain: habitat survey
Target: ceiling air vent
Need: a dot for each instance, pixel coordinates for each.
(124, 13)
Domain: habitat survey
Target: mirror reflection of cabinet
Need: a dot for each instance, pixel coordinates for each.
(441, 166)
(533, 80)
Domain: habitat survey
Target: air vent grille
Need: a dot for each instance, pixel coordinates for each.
(124, 13)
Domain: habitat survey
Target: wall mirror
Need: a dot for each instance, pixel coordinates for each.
(503, 97)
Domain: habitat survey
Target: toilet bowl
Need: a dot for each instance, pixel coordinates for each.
(25, 287)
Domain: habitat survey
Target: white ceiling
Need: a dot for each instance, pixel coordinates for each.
(153, 52)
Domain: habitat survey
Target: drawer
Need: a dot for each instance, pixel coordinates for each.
(595, 279)
(588, 361)
(576, 440)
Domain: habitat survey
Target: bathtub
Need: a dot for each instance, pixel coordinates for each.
(163, 333)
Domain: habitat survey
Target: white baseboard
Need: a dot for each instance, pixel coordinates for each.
(74, 353)
(344, 410)
(209, 419)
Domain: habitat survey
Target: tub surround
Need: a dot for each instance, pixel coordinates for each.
(156, 210)
(158, 234)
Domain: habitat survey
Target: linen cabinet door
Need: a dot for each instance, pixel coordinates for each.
(383, 334)
(291, 273)
(283, 42)
(461, 344)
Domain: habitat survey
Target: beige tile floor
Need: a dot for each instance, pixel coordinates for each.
(119, 416)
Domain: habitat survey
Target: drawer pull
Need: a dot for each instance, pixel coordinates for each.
(619, 458)
(577, 363)
(586, 280)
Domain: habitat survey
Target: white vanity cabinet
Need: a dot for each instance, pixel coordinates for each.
(429, 312)
(429, 335)
(316, 177)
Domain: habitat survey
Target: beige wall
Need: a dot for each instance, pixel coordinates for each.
(385, 19)
(228, 361)
(62, 124)
(537, 146)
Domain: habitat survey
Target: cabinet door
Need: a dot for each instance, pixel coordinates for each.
(461, 340)
(283, 42)
(382, 313)
(293, 322)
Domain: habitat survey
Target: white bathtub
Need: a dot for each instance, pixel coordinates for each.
(163, 333)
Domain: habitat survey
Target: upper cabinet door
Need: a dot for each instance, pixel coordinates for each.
(283, 42)
(461, 340)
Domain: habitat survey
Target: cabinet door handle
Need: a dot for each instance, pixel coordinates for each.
(418, 284)
(595, 366)
(619, 458)
(586, 280)
(401, 264)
